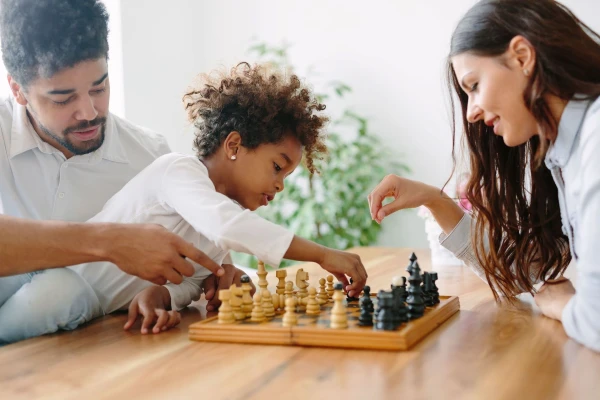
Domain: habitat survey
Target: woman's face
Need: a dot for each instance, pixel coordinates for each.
(495, 87)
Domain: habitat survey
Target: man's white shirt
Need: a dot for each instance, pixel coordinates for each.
(38, 182)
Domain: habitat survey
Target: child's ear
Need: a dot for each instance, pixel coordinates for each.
(232, 145)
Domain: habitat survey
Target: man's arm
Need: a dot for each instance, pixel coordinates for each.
(147, 251)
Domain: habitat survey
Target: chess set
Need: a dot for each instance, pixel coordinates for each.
(389, 320)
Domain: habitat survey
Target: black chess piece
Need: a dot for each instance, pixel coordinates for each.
(399, 308)
(366, 300)
(434, 289)
(413, 258)
(427, 290)
(410, 266)
(376, 313)
(416, 305)
(366, 308)
(404, 291)
(245, 279)
(348, 298)
(385, 320)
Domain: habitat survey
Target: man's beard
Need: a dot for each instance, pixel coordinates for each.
(82, 147)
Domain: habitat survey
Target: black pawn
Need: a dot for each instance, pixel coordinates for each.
(416, 305)
(366, 308)
(434, 289)
(400, 310)
(385, 320)
(245, 279)
(348, 298)
(376, 314)
(404, 291)
(427, 290)
(399, 307)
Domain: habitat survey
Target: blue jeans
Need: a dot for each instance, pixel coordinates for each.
(43, 302)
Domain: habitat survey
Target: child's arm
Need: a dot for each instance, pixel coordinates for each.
(339, 263)
(188, 190)
(152, 303)
(183, 294)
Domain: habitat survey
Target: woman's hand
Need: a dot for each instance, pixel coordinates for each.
(553, 297)
(406, 193)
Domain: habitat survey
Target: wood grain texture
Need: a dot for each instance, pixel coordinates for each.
(486, 351)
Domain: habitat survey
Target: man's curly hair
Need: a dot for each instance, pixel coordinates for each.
(260, 103)
(42, 37)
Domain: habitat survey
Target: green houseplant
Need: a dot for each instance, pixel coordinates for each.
(331, 208)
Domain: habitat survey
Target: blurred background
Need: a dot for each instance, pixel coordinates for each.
(379, 65)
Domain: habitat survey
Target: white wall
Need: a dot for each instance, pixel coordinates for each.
(391, 53)
(115, 63)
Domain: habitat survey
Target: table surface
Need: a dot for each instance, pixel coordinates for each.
(485, 351)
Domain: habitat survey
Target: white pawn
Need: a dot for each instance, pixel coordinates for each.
(330, 289)
(267, 304)
(312, 306)
(289, 289)
(257, 315)
(225, 312)
(322, 297)
(235, 300)
(290, 318)
(339, 319)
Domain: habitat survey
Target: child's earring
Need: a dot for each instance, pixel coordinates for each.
(233, 157)
(526, 72)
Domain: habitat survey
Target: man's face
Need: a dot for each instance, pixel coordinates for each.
(69, 109)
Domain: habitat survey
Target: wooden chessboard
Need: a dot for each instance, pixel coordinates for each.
(315, 330)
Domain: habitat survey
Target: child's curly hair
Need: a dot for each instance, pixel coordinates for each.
(260, 103)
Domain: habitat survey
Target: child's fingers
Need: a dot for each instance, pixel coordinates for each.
(149, 318)
(341, 278)
(354, 289)
(174, 320)
(210, 287)
(163, 319)
(132, 315)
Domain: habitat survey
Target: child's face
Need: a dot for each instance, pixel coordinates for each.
(259, 173)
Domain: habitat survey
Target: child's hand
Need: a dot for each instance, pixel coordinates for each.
(213, 284)
(152, 303)
(340, 264)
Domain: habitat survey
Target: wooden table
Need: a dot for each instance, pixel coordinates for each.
(483, 352)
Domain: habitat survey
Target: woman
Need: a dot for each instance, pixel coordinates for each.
(527, 74)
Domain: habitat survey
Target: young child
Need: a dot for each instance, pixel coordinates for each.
(252, 126)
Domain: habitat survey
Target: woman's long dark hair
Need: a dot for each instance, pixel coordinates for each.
(512, 192)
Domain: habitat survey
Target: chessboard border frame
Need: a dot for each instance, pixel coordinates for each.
(319, 336)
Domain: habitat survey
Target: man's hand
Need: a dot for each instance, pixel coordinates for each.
(152, 303)
(213, 284)
(553, 297)
(152, 253)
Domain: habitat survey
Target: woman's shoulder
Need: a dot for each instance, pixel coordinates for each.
(590, 129)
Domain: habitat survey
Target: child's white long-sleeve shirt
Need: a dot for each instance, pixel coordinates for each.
(175, 191)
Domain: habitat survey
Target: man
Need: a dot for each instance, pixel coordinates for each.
(63, 155)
